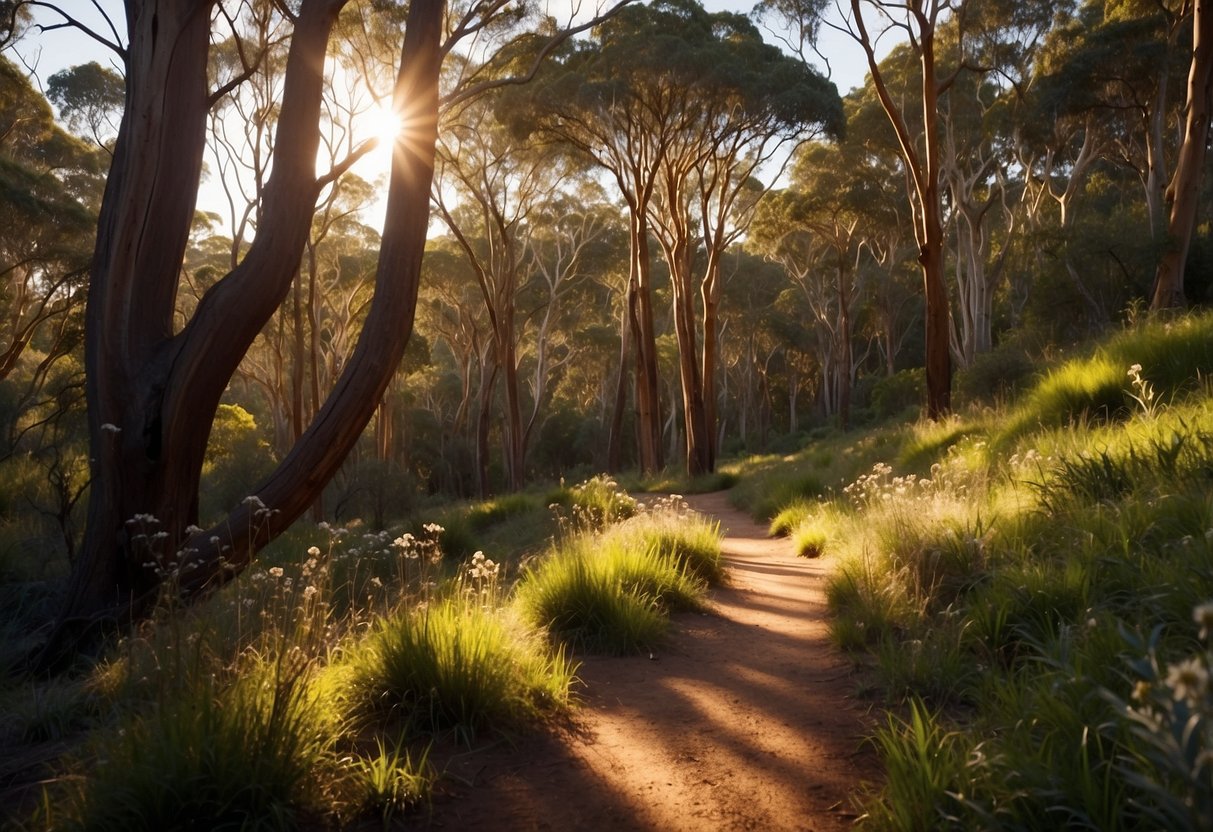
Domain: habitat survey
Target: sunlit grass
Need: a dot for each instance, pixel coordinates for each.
(455, 665)
(242, 754)
(609, 592)
(994, 592)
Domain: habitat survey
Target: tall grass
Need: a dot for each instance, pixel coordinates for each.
(243, 755)
(588, 606)
(999, 593)
(453, 665)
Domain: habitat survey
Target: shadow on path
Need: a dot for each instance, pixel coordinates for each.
(745, 719)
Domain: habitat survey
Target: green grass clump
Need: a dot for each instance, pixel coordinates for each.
(809, 542)
(670, 530)
(721, 480)
(241, 756)
(492, 512)
(454, 665)
(1172, 358)
(590, 608)
(790, 517)
(390, 781)
(595, 503)
(609, 593)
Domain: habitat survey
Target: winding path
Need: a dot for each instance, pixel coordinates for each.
(746, 719)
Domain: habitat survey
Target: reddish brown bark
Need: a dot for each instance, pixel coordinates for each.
(923, 171)
(152, 394)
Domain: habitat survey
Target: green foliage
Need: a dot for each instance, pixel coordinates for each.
(492, 512)
(595, 503)
(390, 781)
(923, 763)
(1169, 716)
(217, 756)
(453, 665)
(237, 458)
(998, 588)
(896, 394)
(995, 375)
(1172, 357)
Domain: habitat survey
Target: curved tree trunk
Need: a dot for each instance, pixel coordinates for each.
(152, 394)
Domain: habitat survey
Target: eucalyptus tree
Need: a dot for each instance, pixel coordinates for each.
(569, 250)
(743, 102)
(918, 143)
(683, 107)
(1183, 190)
(501, 185)
(589, 98)
(1106, 80)
(89, 98)
(49, 181)
(815, 230)
(948, 41)
(153, 387)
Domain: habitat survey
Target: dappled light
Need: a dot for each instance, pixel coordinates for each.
(607, 414)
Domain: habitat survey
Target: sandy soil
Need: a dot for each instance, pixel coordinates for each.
(745, 719)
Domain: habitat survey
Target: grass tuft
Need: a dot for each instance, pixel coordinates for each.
(453, 665)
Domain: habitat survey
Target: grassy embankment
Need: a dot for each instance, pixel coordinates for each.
(311, 690)
(1030, 584)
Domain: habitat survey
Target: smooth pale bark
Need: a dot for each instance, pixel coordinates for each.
(1184, 191)
(152, 394)
(923, 170)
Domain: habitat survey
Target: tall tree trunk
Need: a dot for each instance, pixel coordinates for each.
(648, 395)
(710, 292)
(1184, 190)
(844, 345)
(922, 169)
(615, 430)
(484, 412)
(515, 447)
(152, 395)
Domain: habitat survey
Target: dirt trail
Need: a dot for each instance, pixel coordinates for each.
(745, 719)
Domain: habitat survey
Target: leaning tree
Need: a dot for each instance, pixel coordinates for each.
(153, 386)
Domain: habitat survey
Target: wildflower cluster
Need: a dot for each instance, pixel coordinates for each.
(1170, 716)
(881, 486)
(480, 579)
(673, 506)
(593, 504)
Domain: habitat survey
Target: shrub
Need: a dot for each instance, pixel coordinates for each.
(993, 375)
(899, 392)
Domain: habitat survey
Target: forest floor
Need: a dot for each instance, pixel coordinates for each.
(746, 718)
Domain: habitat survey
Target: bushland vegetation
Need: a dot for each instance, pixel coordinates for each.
(274, 468)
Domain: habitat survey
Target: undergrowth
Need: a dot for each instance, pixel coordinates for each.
(1023, 584)
(308, 691)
